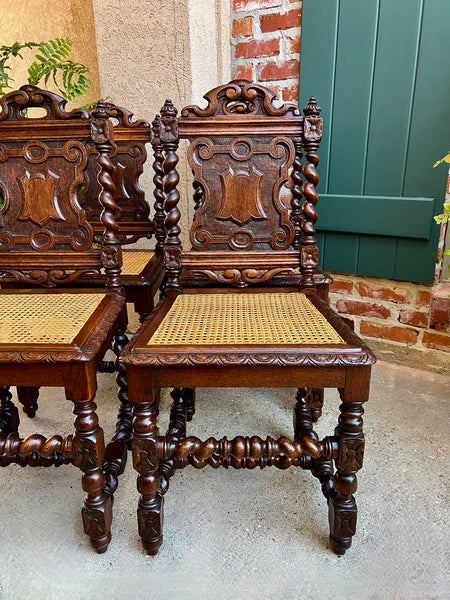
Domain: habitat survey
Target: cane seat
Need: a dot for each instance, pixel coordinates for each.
(36, 318)
(242, 319)
(135, 262)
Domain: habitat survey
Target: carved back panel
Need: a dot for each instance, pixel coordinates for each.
(241, 152)
(45, 236)
(129, 156)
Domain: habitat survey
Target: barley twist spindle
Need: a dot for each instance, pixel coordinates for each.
(312, 135)
(158, 180)
(102, 135)
(297, 181)
(169, 139)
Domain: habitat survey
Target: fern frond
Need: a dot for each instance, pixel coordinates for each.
(6, 52)
(51, 62)
(51, 55)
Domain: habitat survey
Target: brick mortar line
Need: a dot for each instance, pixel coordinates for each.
(262, 12)
(266, 36)
(391, 322)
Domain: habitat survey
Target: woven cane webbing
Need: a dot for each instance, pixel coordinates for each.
(272, 318)
(44, 318)
(134, 261)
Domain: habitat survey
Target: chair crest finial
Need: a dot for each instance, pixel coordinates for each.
(169, 124)
(312, 108)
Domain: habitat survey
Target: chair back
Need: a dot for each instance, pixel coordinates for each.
(128, 157)
(45, 236)
(243, 150)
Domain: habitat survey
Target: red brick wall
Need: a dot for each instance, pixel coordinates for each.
(407, 314)
(266, 49)
(266, 41)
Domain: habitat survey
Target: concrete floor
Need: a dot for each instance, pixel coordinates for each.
(253, 534)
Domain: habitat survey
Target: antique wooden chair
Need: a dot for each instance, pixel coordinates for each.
(142, 269)
(241, 150)
(58, 336)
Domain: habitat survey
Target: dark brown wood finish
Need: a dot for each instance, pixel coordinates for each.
(128, 157)
(134, 220)
(242, 151)
(46, 239)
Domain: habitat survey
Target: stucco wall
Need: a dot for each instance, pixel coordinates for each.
(157, 49)
(40, 20)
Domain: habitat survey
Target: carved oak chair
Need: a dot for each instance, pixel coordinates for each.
(58, 336)
(242, 149)
(142, 269)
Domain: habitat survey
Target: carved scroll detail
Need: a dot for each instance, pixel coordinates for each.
(125, 117)
(237, 196)
(240, 97)
(14, 104)
(47, 278)
(241, 277)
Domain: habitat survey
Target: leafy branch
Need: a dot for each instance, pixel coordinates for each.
(444, 217)
(445, 159)
(52, 62)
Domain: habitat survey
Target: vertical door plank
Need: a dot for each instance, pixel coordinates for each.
(322, 21)
(393, 89)
(429, 137)
(356, 43)
(341, 252)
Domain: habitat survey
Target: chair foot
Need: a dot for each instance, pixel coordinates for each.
(88, 450)
(150, 521)
(97, 523)
(342, 517)
(146, 463)
(338, 546)
(28, 397)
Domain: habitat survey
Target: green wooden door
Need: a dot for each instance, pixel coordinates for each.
(380, 69)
